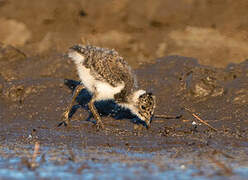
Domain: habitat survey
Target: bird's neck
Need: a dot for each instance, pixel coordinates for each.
(135, 95)
(132, 99)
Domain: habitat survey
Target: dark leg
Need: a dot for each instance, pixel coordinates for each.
(65, 116)
(95, 113)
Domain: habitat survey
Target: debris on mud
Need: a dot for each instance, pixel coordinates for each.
(180, 83)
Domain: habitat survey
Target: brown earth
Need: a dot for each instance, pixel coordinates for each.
(214, 32)
(34, 93)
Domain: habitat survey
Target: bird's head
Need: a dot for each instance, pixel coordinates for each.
(143, 106)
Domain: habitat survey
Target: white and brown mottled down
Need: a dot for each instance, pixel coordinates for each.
(105, 74)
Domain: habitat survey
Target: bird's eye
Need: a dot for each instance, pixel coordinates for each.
(143, 107)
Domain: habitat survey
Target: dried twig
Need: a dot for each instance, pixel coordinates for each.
(35, 153)
(167, 116)
(202, 121)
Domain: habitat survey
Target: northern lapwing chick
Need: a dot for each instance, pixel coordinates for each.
(107, 76)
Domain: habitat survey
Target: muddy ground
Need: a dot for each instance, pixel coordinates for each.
(37, 81)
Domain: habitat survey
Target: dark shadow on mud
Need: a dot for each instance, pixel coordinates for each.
(104, 108)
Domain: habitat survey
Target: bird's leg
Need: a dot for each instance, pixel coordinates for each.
(68, 109)
(93, 109)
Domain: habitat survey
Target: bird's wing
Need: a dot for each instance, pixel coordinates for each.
(108, 66)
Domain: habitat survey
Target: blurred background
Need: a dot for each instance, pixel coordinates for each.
(213, 31)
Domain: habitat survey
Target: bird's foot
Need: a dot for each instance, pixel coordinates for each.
(62, 123)
(139, 127)
(65, 121)
(99, 125)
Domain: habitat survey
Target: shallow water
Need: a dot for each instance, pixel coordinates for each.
(107, 163)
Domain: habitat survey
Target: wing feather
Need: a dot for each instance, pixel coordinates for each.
(107, 65)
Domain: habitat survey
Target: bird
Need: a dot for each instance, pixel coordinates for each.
(107, 76)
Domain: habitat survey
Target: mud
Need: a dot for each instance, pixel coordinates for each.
(34, 97)
(37, 82)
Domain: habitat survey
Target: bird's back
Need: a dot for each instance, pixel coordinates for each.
(108, 66)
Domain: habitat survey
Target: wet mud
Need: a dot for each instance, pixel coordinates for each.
(35, 95)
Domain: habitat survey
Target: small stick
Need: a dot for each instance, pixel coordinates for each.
(202, 121)
(36, 151)
(167, 116)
